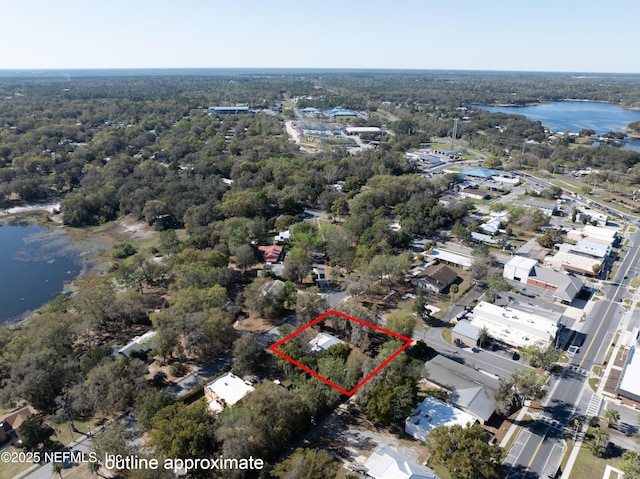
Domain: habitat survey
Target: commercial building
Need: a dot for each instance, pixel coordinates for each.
(225, 391)
(516, 326)
(474, 194)
(569, 259)
(471, 390)
(518, 268)
(465, 333)
(481, 173)
(629, 386)
(229, 110)
(564, 287)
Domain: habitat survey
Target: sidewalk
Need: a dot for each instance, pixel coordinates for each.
(574, 452)
(514, 427)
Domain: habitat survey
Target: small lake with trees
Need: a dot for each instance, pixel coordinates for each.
(35, 264)
(575, 116)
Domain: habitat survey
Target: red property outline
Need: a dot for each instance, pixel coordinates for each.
(407, 341)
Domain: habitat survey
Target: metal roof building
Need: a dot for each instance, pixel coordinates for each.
(517, 327)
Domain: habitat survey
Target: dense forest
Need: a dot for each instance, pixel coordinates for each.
(217, 186)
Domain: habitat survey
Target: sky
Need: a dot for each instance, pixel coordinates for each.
(513, 35)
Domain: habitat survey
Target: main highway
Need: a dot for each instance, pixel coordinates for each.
(539, 447)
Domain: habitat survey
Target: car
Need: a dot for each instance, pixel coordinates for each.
(515, 356)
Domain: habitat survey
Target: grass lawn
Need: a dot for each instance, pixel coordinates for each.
(446, 333)
(10, 469)
(587, 465)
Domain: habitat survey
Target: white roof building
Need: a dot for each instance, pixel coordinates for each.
(324, 341)
(597, 249)
(432, 413)
(600, 233)
(629, 386)
(282, 236)
(451, 257)
(146, 342)
(516, 327)
(225, 391)
(385, 463)
(519, 268)
(570, 260)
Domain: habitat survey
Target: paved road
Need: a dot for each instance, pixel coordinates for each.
(537, 452)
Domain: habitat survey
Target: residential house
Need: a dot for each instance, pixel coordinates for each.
(144, 343)
(324, 341)
(385, 463)
(431, 413)
(435, 278)
(271, 253)
(11, 422)
(225, 391)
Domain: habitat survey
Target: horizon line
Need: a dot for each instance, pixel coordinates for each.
(34, 70)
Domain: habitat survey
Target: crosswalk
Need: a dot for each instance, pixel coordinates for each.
(594, 405)
(578, 370)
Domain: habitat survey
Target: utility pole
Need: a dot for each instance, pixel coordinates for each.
(455, 131)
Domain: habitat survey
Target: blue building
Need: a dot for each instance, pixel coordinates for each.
(482, 173)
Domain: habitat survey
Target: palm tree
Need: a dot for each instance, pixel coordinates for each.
(94, 467)
(612, 417)
(483, 336)
(57, 469)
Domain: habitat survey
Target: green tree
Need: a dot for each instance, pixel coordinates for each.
(307, 464)
(388, 403)
(630, 465)
(183, 431)
(483, 336)
(403, 325)
(463, 451)
(248, 355)
(540, 358)
(310, 305)
(115, 439)
(149, 404)
(245, 256)
(169, 242)
(34, 431)
(266, 297)
(297, 265)
(598, 445)
(453, 290)
(57, 469)
(612, 417)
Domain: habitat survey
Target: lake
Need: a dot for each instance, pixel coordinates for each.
(576, 115)
(35, 264)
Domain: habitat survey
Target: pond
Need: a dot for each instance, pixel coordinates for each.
(35, 265)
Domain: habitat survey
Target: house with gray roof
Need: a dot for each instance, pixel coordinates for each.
(471, 391)
(435, 278)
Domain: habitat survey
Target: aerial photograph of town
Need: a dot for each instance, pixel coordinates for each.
(301, 240)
